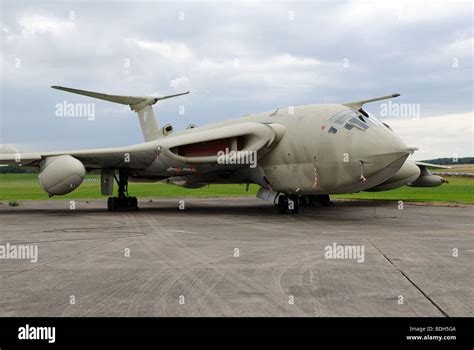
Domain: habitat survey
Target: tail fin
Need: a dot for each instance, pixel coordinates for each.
(140, 104)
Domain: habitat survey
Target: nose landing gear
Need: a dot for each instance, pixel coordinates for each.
(123, 202)
(288, 203)
(291, 203)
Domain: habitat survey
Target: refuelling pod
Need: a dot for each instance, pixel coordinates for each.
(60, 174)
(427, 179)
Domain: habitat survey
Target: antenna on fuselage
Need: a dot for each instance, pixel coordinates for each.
(358, 104)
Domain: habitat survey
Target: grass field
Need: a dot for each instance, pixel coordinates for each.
(459, 190)
(25, 186)
(462, 168)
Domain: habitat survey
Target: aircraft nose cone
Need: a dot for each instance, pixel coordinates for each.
(383, 148)
(385, 143)
(399, 146)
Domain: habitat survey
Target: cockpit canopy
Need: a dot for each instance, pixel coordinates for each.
(350, 119)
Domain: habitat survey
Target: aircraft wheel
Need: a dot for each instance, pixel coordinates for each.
(288, 204)
(282, 204)
(303, 200)
(112, 203)
(122, 203)
(293, 205)
(132, 202)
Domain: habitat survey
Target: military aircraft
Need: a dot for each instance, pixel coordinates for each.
(297, 155)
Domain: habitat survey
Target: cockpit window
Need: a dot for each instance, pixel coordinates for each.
(350, 118)
(358, 124)
(342, 116)
(369, 121)
(374, 120)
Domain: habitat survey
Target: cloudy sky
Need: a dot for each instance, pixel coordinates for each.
(235, 58)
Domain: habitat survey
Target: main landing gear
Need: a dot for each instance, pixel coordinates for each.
(291, 203)
(123, 202)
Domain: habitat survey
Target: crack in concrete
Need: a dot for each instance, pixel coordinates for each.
(409, 280)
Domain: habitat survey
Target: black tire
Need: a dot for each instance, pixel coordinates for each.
(123, 203)
(113, 203)
(282, 204)
(296, 206)
(132, 202)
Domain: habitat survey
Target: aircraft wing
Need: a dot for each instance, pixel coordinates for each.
(137, 156)
(167, 153)
(196, 149)
(20, 158)
(428, 165)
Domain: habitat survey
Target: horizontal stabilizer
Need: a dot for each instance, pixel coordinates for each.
(135, 102)
(140, 104)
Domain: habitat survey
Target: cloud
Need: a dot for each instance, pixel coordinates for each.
(437, 136)
(181, 83)
(172, 51)
(236, 58)
(39, 24)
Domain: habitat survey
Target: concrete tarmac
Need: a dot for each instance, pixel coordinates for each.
(237, 257)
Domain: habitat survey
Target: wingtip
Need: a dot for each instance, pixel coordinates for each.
(396, 94)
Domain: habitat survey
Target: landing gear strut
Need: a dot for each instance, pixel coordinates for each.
(123, 202)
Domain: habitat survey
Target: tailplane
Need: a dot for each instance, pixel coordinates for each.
(140, 104)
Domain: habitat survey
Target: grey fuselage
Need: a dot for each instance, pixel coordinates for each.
(315, 155)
